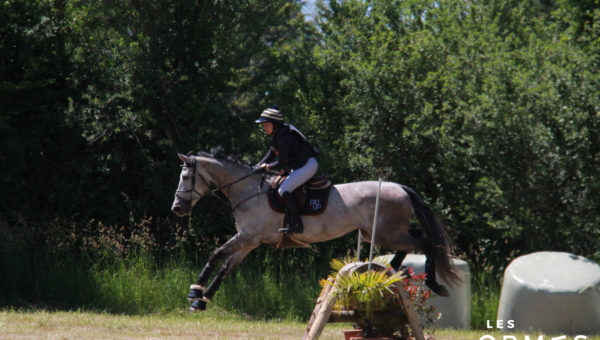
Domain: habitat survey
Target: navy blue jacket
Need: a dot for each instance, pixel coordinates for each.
(289, 150)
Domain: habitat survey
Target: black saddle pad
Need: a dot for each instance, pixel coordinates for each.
(311, 197)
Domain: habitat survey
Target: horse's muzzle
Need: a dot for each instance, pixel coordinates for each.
(181, 208)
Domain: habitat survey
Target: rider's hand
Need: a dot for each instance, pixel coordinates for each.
(260, 167)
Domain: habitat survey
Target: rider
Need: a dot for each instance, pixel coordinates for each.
(292, 152)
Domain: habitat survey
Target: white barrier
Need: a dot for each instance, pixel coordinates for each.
(551, 292)
(455, 309)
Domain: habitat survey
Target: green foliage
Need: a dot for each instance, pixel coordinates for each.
(34, 87)
(490, 109)
(287, 293)
(366, 292)
(485, 297)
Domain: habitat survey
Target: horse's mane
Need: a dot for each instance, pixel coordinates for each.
(218, 152)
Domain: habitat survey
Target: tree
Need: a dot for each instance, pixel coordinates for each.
(34, 94)
(467, 101)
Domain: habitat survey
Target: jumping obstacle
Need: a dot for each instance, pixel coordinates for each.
(455, 309)
(324, 313)
(323, 310)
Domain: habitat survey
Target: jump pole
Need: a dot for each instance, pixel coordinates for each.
(358, 246)
(374, 224)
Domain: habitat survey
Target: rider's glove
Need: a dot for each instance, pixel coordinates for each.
(259, 167)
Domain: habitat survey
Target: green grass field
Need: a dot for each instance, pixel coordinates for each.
(134, 298)
(212, 324)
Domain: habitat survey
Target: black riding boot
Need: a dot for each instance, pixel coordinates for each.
(294, 224)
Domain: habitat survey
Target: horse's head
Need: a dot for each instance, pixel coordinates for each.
(192, 186)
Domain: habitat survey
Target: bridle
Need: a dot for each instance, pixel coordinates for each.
(193, 189)
(215, 189)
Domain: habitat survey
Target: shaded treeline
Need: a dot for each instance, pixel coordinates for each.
(489, 109)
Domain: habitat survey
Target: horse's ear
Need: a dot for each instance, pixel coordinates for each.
(184, 158)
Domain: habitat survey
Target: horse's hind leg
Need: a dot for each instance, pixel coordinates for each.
(400, 255)
(430, 279)
(417, 240)
(425, 245)
(398, 259)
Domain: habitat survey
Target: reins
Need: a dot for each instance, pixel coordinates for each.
(216, 188)
(258, 193)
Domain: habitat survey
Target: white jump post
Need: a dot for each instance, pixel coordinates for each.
(374, 224)
(358, 246)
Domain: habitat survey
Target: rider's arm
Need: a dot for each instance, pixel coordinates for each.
(268, 157)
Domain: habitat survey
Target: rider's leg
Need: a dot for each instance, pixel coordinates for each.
(296, 179)
(294, 223)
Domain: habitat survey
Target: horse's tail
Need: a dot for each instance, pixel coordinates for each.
(437, 235)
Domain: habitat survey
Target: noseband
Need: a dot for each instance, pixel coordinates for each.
(212, 192)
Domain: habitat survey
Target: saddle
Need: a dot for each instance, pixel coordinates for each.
(311, 197)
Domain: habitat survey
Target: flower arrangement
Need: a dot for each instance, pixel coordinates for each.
(372, 297)
(419, 294)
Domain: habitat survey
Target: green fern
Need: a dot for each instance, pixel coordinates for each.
(365, 292)
(337, 265)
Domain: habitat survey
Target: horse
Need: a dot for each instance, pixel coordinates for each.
(351, 206)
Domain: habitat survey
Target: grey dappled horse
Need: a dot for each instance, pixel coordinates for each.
(350, 207)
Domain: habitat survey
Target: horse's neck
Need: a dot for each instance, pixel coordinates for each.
(223, 173)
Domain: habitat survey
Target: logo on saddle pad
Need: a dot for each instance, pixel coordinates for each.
(314, 204)
(311, 197)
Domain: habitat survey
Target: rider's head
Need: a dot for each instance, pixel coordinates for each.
(271, 119)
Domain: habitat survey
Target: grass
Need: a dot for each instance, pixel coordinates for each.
(485, 295)
(138, 298)
(212, 324)
(138, 286)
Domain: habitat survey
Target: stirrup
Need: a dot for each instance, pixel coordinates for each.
(290, 229)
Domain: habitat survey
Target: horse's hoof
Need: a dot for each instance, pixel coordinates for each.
(197, 305)
(405, 271)
(438, 289)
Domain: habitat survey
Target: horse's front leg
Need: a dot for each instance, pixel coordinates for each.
(223, 251)
(226, 269)
(234, 250)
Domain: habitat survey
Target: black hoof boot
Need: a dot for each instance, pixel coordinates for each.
(196, 292)
(198, 305)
